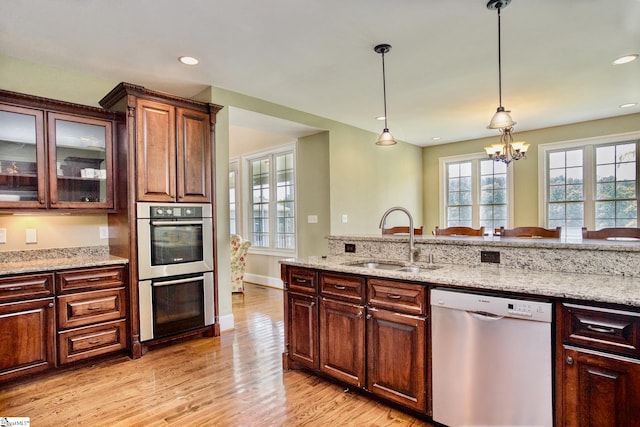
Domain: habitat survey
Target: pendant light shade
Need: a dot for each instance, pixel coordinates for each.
(385, 138)
(506, 150)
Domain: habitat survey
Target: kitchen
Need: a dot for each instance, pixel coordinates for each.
(376, 177)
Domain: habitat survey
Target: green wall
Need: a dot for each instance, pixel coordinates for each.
(526, 191)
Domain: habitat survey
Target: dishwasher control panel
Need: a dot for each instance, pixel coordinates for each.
(492, 306)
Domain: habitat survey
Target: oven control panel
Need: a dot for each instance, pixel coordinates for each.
(168, 211)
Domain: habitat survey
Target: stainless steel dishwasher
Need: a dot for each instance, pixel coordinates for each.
(491, 360)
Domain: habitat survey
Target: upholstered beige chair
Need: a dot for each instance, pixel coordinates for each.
(239, 249)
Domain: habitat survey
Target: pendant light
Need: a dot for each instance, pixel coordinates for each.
(385, 137)
(506, 150)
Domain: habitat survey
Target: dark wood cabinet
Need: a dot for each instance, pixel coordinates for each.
(174, 139)
(342, 341)
(55, 154)
(303, 330)
(27, 325)
(397, 336)
(301, 311)
(598, 366)
(92, 312)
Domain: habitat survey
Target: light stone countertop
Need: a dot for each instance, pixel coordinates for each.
(43, 260)
(587, 287)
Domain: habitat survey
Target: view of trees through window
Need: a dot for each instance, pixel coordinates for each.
(609, 199)
(477, 194)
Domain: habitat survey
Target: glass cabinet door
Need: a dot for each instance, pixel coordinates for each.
(80, 169)
(22, 157)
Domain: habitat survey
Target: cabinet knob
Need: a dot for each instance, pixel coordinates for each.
(569, 360)
(369, 316)
(50, 305)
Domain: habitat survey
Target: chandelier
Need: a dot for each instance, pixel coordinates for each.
(506, 150)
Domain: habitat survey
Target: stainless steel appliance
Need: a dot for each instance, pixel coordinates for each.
(176, 304)
(491, 360)
(174, 239)
(175, 268)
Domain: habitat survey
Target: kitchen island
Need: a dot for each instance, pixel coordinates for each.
(335, 307)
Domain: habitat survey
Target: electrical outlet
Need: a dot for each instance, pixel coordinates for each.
(104, 232)
(350, 248)
(345, 218)
(3, 235)
(312, 219)
(490, 256)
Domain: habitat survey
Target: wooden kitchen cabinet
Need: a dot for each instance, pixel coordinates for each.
(173, 138)
(301, 311)
(397, 331)
(342, 328)
(55, 154)
(27, 325)
(598, 367)
(92, 312)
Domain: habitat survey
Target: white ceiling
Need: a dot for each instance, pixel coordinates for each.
(317, 55)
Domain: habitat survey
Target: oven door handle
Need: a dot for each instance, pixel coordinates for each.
(176, 222)
(176, 282)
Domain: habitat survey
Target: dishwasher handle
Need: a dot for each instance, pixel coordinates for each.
(483, 315)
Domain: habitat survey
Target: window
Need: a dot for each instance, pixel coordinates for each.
(272, 213)
(476, 192)
(591, 183)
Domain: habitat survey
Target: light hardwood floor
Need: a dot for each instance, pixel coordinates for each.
(232, 380)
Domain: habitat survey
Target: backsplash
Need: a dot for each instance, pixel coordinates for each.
(582, 257)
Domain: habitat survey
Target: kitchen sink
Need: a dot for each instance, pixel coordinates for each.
(377, 265)
(382, 265)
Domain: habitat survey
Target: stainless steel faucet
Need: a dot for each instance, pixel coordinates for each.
(412, 247)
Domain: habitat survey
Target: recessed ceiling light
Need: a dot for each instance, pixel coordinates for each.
(628, 105)
(188, 60)
(625, 59)
(436, 138)
(380, 118)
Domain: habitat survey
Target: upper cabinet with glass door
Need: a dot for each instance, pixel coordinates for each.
(79, 162)
(55, 154)
(22, 155)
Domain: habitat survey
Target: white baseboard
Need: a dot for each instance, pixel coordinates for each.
(272, 282)
(226, 322)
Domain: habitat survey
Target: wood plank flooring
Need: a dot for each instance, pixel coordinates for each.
(232, 380)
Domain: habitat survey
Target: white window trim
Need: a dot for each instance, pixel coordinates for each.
(442, 191)
(246, 201)
(588, 179)
(236, 164)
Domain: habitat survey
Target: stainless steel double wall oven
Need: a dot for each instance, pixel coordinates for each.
(175, 268)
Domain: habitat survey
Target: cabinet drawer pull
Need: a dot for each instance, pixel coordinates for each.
(393, 296)
(95, 342)
(340, 287)
(302, 280)
(93, 279)
(94, 308)
(601, 329)
(17, 288)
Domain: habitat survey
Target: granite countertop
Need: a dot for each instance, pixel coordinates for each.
(33, 261)
(588, 287)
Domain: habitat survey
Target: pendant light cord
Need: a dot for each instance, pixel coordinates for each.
(384, 92)
(499, 62)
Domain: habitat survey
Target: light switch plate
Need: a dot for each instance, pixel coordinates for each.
(345, 218)
(31, 236)
(3, 235)
(104, 232)
(312, 219)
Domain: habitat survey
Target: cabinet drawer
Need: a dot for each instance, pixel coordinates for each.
(408, 298)
(16, 288)
(91, 307)
(82, 343)
(344, 287)
(602, 328)
(90, 279)
(303, 280)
